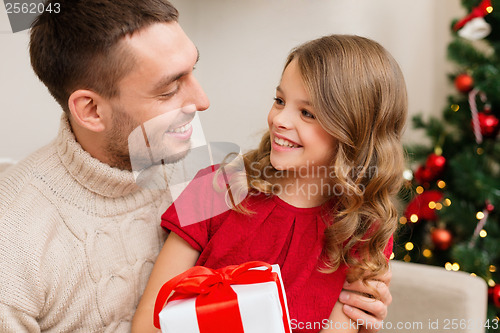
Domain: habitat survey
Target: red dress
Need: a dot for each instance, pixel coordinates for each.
(276, 233)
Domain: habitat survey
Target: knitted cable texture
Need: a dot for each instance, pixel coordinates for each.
(78, 241)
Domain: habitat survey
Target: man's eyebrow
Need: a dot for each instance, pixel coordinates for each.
(278, 89)
(168, 79)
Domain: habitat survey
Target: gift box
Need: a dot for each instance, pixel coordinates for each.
(248, 298)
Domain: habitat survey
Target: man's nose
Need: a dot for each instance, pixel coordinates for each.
(197, 95)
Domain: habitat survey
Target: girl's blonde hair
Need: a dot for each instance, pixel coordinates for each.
(359, 97)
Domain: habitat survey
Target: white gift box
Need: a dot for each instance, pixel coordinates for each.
(259, 305)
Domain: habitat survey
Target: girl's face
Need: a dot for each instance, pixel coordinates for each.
(298, 142)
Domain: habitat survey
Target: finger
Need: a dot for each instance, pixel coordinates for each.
(384, 293)
(370, 324)
(385, 278)
(371, 288)
(370, 306)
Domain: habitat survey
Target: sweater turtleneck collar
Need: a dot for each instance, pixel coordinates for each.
(94, 175)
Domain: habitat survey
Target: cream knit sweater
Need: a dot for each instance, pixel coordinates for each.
(78, 240)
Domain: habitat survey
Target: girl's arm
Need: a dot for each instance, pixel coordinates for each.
(339, 322)
(176, 257)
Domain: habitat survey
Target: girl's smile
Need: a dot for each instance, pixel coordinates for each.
(282, 143)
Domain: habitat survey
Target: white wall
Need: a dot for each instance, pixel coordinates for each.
(29, 117)
(243, 45)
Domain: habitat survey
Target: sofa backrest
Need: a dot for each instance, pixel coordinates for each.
(430, 299)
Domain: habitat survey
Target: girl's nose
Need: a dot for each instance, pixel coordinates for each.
(282, 120)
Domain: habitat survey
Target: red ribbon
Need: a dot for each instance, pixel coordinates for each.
(217, 308)
(479, 11)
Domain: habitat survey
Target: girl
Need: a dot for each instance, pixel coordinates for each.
(321, 185)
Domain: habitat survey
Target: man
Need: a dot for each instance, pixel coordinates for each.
(79, 236)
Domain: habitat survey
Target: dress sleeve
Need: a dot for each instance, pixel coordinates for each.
(195, 235)
(191, 214)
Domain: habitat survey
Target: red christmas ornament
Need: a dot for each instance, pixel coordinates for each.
(420, 205)
(435, 163)
(441, 238)
(494, 295)
(489, 124)
(464, 83)
(431, 170)
(423, 175)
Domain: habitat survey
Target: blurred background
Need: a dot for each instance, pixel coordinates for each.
(243, 45)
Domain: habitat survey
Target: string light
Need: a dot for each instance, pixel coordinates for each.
(483, 233)
(455, 267)
(408, 174)
(455, 107)
(419, 189)
(473, 274)
(479, 215)
(407, 258)
(492, 269)
(409, 246)
(414, 218)
(403, 220)
(448, 266)
(427, 253)
(480, 151)
(447, 202)
(432, 205)
(441, 184)
(489, 9)
(439, 206)
(491, 283)
(392, 256)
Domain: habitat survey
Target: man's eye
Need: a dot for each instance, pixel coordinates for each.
(169, 94)
(279, 101)
(307, 114)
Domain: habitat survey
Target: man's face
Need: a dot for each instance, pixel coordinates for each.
(157, 99)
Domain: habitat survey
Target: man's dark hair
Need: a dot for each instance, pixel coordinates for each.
(78, 48)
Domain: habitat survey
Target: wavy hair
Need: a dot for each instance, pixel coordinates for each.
(359, 96)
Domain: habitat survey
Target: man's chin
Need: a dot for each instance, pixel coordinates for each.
(145, 163)
(154, 175)
(174, 158)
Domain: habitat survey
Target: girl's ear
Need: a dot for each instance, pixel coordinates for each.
(88, 109)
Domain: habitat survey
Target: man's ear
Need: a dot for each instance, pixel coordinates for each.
(88, 109)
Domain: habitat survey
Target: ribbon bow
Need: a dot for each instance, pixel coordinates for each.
(216, 301)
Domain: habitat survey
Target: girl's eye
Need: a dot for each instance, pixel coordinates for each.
(307, 114)
(279, 101)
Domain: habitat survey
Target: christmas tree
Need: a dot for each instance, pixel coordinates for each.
(451, 197)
